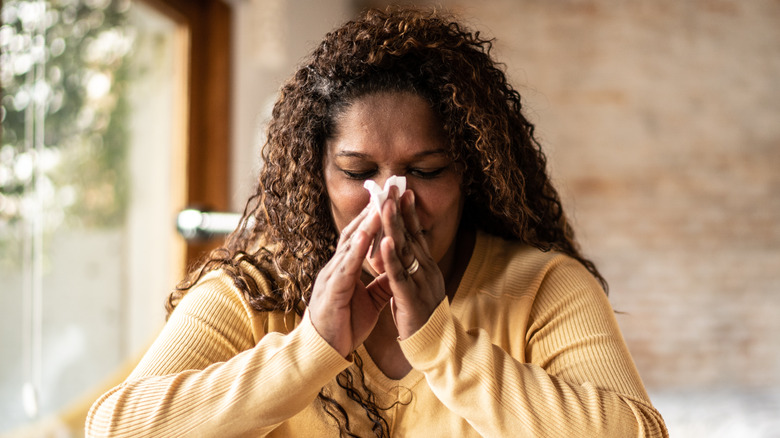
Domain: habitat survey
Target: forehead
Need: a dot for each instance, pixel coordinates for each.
(387, 121)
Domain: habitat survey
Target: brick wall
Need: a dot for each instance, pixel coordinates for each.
(662, 124)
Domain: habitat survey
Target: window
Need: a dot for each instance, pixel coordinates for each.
(102, 138)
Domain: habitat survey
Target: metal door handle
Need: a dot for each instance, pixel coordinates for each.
(194, 224)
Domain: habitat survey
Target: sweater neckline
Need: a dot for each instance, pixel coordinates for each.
(376, 377)
(458, 304)
(460, 300)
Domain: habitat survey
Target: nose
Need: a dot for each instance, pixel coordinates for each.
(388, 186)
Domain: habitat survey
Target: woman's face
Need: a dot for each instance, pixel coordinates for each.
(395, 133)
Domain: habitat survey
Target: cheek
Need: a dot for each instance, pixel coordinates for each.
(346, 202)
(440, 207)
(452, 211)
(440, 213)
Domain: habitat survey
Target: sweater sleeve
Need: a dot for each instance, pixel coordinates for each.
(205, 376)
(577, 379)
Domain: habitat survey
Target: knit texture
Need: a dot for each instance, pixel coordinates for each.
(528, 347)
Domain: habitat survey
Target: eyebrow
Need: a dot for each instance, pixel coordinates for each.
(355, 154)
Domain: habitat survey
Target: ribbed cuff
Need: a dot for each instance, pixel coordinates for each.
(437, 336)
(325, 356)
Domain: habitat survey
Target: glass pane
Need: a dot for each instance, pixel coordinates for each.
(91, 175)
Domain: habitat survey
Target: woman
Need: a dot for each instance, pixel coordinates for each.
(462, 307)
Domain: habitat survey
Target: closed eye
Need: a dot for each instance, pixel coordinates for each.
(427, 174)
(360, 175)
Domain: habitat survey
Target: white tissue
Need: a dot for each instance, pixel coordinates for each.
(379, 195)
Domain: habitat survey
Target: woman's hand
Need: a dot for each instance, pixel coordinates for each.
(414, 296)
(342, 309)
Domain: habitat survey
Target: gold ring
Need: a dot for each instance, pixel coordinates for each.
(413, 267)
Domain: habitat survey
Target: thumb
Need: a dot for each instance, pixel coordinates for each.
(379, 291)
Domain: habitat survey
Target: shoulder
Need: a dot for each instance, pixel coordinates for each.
(547, 285)
(217, 299)
(512, 269)
(528, 288)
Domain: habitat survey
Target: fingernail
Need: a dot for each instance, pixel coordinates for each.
(411, 197)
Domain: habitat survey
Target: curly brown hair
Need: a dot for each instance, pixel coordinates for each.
(287, 231)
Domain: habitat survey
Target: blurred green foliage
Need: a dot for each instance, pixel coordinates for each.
(63, 65)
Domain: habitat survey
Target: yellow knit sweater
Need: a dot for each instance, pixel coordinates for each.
(528, 347)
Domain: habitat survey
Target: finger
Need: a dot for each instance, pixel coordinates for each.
(347, 269)
(427, 263)
(370, 225)
(355, 223)
(411, 220)
(371, 222)
(379, 291)
(336, 261)
(395, 269)
(394, 228)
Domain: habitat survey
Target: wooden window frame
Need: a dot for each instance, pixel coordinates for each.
(209, 100)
